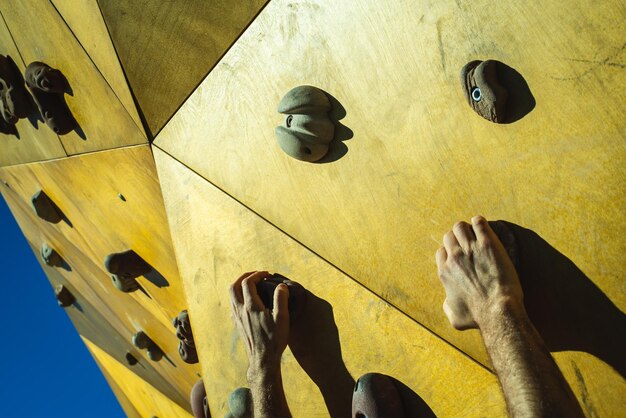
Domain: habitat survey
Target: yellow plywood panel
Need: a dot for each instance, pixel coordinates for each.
(41, 35)
(145, 398)
(125, 403)
(110, 312)
(420, 159)
(35, 142)
(216, 239)
(87, 24)
(86, 188)
(166, 48)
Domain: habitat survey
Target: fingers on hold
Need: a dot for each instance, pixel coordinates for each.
(451, 244)
(440, 257)
(482, 229)
(281, 302)
(464, 235)
(250, 296)
(236, 294)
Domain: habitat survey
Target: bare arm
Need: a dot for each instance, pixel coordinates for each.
(483, 291)
(265, 335)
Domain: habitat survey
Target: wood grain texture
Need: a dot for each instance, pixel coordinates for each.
(216, 239)
(420, 159)
(35, 142)
(86, 22)
(145, 398)
(41, 35)
(86, 189)
(124, 313)
(167, 47)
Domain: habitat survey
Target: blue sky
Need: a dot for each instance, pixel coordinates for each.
(45, 369)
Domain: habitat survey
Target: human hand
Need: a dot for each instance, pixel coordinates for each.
(265, 333)
(477, 274)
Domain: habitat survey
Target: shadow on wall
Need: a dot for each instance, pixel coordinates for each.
(314, 342)
(520, 101)
(567, 308)
(337, 148)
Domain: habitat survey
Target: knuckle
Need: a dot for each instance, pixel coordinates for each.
(479, 221)
(459, 225)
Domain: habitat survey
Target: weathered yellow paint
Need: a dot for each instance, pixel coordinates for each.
(145, 398)
(86, 189)
(87, 25)
(166, 49)
(41, 35)
(126, 313)
(216, 239)
(420, 159)
(35, 143)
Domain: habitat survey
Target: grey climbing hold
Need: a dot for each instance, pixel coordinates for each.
(307, 131)
(143, 342)
(376, 396)
(50, 256)
(45, 208)
(15, 102)
(240, 403)
(186, 346)
(48, 86)
(64, 296)
(130, 359)
(125, 267)
(483, 91)
(297, 294)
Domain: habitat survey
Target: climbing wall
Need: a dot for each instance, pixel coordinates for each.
(174, 156)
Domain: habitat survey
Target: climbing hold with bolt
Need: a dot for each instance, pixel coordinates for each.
(308, 130)
(484, 93)
(125, 267)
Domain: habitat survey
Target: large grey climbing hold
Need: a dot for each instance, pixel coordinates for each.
(48, 86)
(376, 396)
(483, 91)
(50, 256)
(307, 130)
(125, 267)
(199, 405)
(15, 102)
(64, 296)
(186, 346)
(45, 208)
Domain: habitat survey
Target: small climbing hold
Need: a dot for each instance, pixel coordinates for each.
(483, 91)
(130, 359)
(125, 267)
(297, 294)
(376, 396)
(64, 296)
(45, 208)
(142, 341)
(50, 256)
(240, 403)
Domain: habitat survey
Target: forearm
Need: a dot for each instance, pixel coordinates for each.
(268, 396)
(531, 381)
